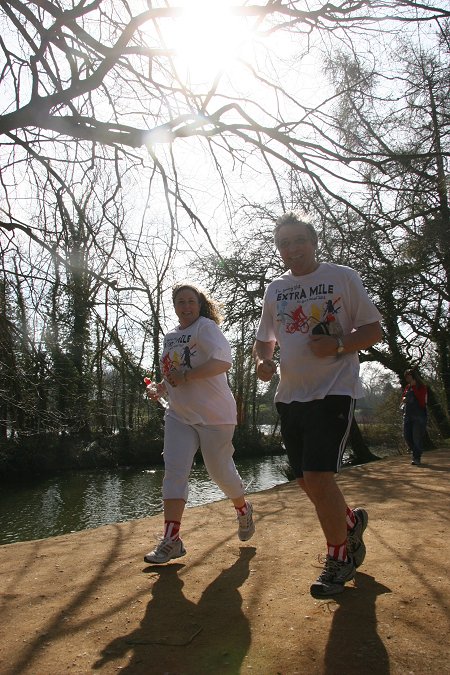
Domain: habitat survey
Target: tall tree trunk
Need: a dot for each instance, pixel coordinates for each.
(439, 416)
(360, 449)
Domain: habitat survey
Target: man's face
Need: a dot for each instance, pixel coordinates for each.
(297, 249)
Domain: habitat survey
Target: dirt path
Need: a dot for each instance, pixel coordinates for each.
(86, 602)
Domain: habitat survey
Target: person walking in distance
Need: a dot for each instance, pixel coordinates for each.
(201, 413)
(414, 405)
(319, 382)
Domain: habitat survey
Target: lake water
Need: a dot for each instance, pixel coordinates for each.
(81, 500)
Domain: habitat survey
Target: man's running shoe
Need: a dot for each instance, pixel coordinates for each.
(246, 528)
(165, 551)
(356, 548)
(332, 578)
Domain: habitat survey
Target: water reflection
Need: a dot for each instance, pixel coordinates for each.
(52, 504)
(80, 500)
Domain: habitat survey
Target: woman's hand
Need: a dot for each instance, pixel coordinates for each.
(177, 377)
(155, 390)
(210, 368)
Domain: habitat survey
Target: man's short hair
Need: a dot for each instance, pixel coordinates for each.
(294, 218)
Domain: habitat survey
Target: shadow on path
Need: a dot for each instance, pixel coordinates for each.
(176, 634)
(354, 646)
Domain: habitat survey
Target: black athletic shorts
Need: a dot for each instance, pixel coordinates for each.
(315, 433)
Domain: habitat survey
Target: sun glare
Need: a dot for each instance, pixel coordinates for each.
(208, 37)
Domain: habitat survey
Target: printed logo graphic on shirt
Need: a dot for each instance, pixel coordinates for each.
(317, 312)
(177, 359)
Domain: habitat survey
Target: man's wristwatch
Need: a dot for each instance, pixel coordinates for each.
(340, 345)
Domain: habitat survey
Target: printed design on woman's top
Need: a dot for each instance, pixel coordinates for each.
(178, 355)
(309, 309)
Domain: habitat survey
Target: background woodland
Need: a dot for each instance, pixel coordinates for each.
(121, 175)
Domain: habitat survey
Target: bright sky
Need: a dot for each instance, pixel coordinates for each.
(212, 40)
(208, 38)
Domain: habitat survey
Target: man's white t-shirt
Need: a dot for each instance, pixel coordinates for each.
(208, 400)
(333, 295)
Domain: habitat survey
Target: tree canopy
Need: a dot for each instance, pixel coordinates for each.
(123, 160)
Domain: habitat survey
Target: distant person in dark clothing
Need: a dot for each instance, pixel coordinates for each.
(414, 404)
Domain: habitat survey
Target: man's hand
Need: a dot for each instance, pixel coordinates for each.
(323, 345)
(362, 337)
(265, 366)
(266, 369)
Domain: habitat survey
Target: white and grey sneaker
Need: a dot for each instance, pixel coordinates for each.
(334, 575)
(165, 551)
(356, 548)
(246, 528)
